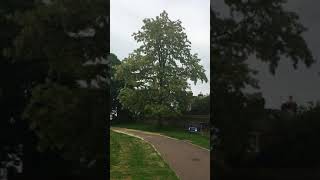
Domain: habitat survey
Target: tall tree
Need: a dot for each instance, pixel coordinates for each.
(115, 86)
(156, 73)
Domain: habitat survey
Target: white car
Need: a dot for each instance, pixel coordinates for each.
(193, 129)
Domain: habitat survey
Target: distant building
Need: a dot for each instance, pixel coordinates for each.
(290, 106)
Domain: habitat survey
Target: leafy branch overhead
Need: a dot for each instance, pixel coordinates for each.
(68, 108)
(259, 28)
(156, 73)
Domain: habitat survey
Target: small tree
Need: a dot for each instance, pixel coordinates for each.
(156, 73)
(200, 105)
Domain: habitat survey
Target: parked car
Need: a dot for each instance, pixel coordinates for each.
(193, 129)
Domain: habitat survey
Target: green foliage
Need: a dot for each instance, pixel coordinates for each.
(68, 109)
(156, 73)
(200, 105)
(159, 111)
(252, 28)
(63, 121)
(47, 25)
(115, 87)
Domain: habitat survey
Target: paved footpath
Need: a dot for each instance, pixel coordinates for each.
(190, 162)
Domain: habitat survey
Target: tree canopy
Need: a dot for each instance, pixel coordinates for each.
(200, 105)
(254, 28)
(156, 73)
(67, 109)
(115, 86)
(251, 28)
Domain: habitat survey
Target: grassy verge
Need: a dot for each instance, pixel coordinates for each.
(195, 138)
(134, 159)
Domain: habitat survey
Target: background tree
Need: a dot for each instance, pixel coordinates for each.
(118, 112)
(200, 105)
(156, 73)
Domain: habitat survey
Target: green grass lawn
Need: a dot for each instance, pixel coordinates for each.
(134, 159)
(195, 138)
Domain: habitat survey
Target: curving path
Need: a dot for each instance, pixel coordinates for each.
(189, 161)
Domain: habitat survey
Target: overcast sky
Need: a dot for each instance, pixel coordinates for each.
(126, 18)
(303, 84)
